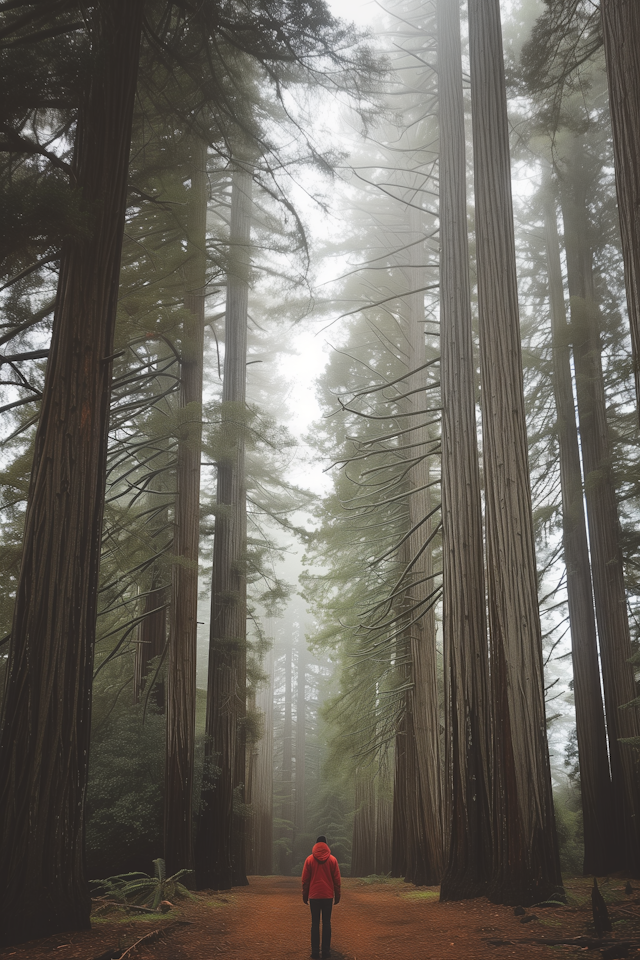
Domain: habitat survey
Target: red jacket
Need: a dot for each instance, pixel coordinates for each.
(321, 875)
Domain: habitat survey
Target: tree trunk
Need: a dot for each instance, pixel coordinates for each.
(250, 788)
(301, 712)
(602, 516)
(526, 867)
(44, 746)
(417, 820)
(363, 846)
(262, 792)
(399, 814)
(287, 767)
(621, 32)
(181, 674)
(595, 780)
(408, 842)
(384, 821)
(467, 694)
(416, 864)
(226, 691)
(366, 774)
(424, 692)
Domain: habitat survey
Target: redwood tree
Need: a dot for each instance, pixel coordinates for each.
(423, 695)
(526, 867)
(44, 743)
(621, 32)
(261, 780)
(467, 706)
(600, 854)
(181, 673)
(602, 510)
(301, 739)
(226, 690)
(285, 849)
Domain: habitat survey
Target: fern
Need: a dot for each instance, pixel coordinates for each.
(142, 889)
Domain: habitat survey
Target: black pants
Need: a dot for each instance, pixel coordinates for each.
(317, 907)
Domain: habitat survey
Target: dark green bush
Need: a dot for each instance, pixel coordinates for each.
(124, 801)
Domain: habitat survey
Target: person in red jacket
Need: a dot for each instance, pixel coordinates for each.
(320, 889)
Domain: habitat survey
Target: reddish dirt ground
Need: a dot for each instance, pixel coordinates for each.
(374, 921)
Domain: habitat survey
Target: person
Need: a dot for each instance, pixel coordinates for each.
(321, 889)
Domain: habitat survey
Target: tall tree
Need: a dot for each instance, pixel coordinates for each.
(401, 834)
(47, 708)
(363, 844)
(600, 855)
(602, 510)
(560, 65)
(621, 33)
(423, 694)
(526, 867)
(286, 845)
(261, 796)
(301, 729)
(467, 694)
(226, 691)
(181, 674)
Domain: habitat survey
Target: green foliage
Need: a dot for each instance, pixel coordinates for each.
(420, 894)
(377, 878)
(140, 888)
(568, 816)
(124, 798)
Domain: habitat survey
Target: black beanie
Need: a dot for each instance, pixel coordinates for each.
(321, 840)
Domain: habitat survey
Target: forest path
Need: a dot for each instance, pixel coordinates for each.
(267, 920)
(374, 921)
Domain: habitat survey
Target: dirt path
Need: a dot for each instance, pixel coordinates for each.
(374, 921)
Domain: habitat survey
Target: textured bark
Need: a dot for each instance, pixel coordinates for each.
(181, 673)
(261, 798)
(467, 693)
(526, 867)
(44, 744)
(363, 846)
(621, 33)
(226, 692)
(365, 840)
(595, 779)
(424, 693)
(384, 821)
(602, 515)
(399, 815)
(416, 865)
(418, 851)
(301, 739)
(409, 849)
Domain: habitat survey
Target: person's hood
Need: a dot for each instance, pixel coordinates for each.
(321, 851)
